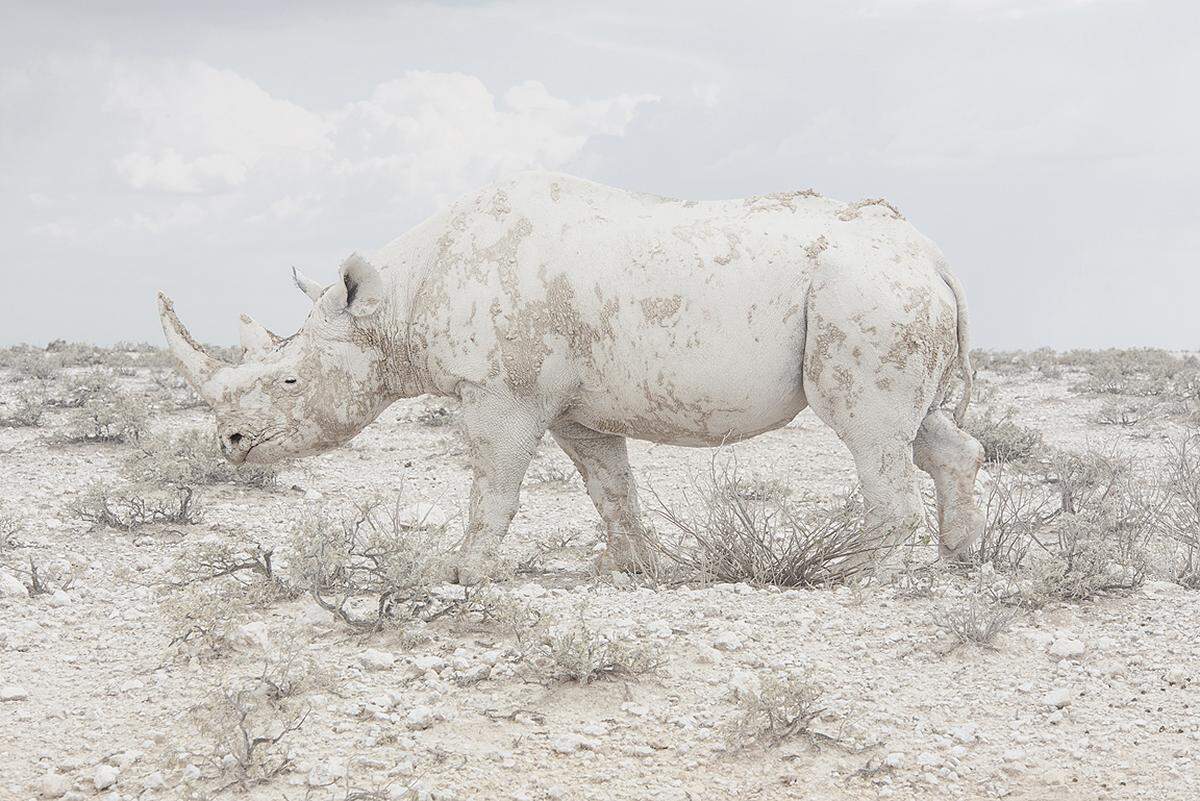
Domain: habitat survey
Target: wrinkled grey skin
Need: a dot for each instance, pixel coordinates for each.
(549, 303)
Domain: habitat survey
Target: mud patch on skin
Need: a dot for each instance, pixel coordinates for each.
(816, 247)
(658, 309)
(825, 338)
(854, 210)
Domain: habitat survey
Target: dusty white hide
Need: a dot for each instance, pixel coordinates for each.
(549, 303)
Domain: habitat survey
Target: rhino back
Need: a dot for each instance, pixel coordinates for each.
(661, 318)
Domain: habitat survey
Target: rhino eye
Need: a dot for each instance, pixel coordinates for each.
(289, 381)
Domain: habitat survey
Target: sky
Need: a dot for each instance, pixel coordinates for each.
(1050, 147)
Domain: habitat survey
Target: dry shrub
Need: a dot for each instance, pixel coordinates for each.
(245, 727)
(1145, 372)
(191, 458)
(1126, 412)
(1017, 509)
(729, 531)
(976, 619)
(370, 555)
(26, 410)
(172, 393)
(108, 419)
(1002, 438)
(436, 417)
(77, 390)
(10, 524)
(581, 654)
(780, 707)
(1178, 517)
(28, 365)
(132, 506)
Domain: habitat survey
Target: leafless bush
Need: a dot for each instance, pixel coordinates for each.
(1002, 438)
(76, 391)
(1146, 372)
(26, 410)
(548, 473)
(108, 419)
(1127, 412)
(172, 393)
(976, 619)
(245, 727)
(1179, 510)
(10, 524)
(723, 533)
(216, 558)
(581, 654)
(779, 708)
(29, 365)
(191, 458)
(1017, 508)
(372, 554)
(131, 506)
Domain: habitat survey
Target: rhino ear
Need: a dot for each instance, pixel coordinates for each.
(307, 285)
(361, 292)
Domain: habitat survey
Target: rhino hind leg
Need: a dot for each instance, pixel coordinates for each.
(502, 434)
(603, 462)
(953, 458)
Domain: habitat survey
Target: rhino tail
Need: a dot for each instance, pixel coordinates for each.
(964, 342)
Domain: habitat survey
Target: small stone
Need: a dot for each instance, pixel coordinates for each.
(966, 733)
(727, 641)
(312, 495)
(429, 662)
(894, 759)
(55, 785)
(420, 717)
(60, 598)
(155, 781)
(13, 692)
(251, 637)
(373, 659)
(1058, 697)
(1067, 648)
(11, 587)
(1178, 677)
(105, 776)
(570, 743)
(325, 774)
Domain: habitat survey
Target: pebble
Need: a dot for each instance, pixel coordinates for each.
(55, 785)
(1067, 648)
(1058, 697)
(325, 774)
(60, 598)
(423, 515)
(373, 659)
(420, 717)
(13, 692)
(251, 636)
(105, 776)
(11, 587)
(727, 641)
(570, 743)
(155, 781)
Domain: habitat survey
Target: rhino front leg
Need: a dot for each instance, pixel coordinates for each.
(603, 462)
(502, 434)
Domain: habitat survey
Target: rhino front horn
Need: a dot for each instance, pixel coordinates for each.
(195, 364)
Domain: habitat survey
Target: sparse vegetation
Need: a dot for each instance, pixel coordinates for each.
(132, 506)
(580, 654)
(779, 708)
(734, 531)
(1126, 412)
(1002, 438)
(975, 619)
(108, 419)
(191, 459)
(26, 410)
(370, 558)
(246, 725)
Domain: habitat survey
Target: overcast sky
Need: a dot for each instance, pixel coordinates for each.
(1051, 147)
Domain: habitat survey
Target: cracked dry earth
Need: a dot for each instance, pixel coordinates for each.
(1096, 700)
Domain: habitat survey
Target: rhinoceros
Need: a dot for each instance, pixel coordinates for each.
(546, 302)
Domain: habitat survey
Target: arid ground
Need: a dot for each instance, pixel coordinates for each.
(161, 635)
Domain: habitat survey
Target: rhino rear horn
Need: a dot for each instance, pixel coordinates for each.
(255, 338)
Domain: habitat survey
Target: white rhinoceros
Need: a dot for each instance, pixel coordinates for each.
(550, 303)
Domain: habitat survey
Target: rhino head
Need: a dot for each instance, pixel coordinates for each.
(309, 392)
